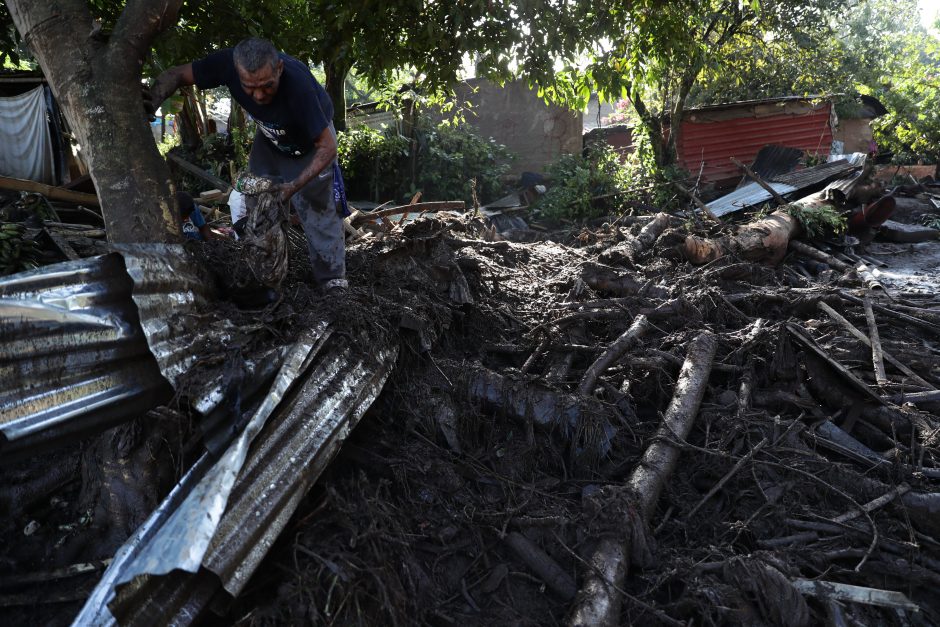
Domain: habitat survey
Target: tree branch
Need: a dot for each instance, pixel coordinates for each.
(139, 24)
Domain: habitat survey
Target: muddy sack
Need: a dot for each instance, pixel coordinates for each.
(265, 229)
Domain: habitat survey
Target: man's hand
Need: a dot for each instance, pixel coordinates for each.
(164, 85)
(287, 190)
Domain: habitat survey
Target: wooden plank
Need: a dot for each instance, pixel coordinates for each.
(195, 170)
(62, 244)
(421, 207)
(49, 191)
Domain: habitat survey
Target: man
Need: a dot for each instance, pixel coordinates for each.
(295, 139)
(192, 222)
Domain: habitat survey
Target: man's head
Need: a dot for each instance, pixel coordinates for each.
(259, 69)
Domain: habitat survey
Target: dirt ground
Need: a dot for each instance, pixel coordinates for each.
(419, 518)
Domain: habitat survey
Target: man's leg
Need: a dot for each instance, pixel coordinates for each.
(323, 227)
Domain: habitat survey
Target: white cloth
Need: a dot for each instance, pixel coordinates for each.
(25, 140)
(236, 204)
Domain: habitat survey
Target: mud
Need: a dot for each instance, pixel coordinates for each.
(411, 523)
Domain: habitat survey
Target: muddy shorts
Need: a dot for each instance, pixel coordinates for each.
(315, 206)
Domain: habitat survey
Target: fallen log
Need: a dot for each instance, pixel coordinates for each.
(633, 246)
(600, 598)
(765, 240)
(49, 191)
(814, 253)
(542, 565)
(616, 350)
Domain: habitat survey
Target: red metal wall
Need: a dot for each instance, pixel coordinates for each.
(742, 137)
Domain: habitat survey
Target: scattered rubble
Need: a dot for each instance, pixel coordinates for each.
(584, 429)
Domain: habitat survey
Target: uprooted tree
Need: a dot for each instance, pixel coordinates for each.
(96, 80)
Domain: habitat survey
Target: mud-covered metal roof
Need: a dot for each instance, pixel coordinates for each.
(338, 383)
(171, 293)
(73, 358)
(752, 194)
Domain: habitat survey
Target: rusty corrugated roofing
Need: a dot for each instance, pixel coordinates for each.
(73, 359)
(717, 142)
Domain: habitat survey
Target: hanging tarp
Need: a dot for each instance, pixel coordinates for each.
(25, 140)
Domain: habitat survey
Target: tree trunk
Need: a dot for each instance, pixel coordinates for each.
(659, 144)
(765, 240)
(336, 73)
(97, 86)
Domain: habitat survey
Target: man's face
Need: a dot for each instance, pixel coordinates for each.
(262, 84)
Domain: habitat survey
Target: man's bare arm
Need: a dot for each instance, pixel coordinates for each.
(167, 83)
(323, 156)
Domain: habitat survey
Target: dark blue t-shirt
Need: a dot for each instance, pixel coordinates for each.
(300, 111)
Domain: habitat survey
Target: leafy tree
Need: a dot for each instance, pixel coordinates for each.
(664, 51)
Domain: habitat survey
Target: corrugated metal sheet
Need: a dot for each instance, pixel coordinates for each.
(173, 296)
(752, 194)
(742, 138)
(73, 359)
(289, 454)
(773, 161)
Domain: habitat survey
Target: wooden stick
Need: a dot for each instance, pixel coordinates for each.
(49, 191)
(423, 207)
(535, 355)
(600, 598)
(757, 179)
(198, 172)
(818, 255)
(62, 244)
(803, 337)
(881, 501)
(614, 352)
(876, 354)
(542, 565)
(933, 328)
(851, 328)
(854, 594)
(918, 397)
(727, 477)
(698, 201)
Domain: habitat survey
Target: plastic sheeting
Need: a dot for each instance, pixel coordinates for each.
(25, 140)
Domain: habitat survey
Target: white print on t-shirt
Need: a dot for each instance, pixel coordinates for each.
(275, 135)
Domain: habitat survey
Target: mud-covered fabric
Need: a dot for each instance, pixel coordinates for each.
(301, 108)
(316, 207)
(265, 238)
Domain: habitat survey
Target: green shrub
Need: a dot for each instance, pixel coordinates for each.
(373, 162)
(448, 159)
(819, 221)
(584, 187)
(452, 159)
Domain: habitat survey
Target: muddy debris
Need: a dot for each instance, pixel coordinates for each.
(719, 441)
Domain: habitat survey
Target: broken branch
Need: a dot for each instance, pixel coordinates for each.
(876, 354)
(614, 352)
(599, 600)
